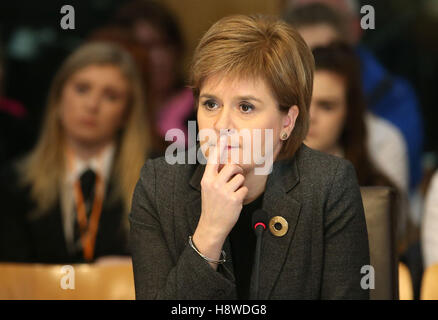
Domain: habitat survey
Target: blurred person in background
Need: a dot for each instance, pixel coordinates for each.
(337, 112)
(338, 126)
(155, 28)
(337, 121)
(321, 25)
(67, 201)
(14, 131)
(388, 96)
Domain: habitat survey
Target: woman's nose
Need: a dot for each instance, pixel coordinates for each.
(224, 121)
(92, 103)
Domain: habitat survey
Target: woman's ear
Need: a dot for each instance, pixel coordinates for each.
(290, 119)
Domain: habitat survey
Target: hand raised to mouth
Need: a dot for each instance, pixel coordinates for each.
(222, 194)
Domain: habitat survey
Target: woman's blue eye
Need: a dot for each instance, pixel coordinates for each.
(210, 105)
(246, 108)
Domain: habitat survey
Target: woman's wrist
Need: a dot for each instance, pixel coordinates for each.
(209, 260)
(208, 244)
(211, 233)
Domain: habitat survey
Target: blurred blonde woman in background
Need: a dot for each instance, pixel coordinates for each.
(67, 201)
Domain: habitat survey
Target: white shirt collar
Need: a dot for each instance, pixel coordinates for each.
(100, 164)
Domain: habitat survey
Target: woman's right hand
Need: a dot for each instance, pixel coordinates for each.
(222, 194)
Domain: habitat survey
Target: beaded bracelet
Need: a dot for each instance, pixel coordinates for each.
(207, 258)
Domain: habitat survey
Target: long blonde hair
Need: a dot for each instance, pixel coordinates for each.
(43, 169)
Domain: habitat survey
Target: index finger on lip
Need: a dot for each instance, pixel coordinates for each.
(214, 156)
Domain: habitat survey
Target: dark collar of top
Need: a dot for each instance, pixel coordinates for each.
(278, 200)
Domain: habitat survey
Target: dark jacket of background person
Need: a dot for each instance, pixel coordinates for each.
(320, 257)
(28, 238)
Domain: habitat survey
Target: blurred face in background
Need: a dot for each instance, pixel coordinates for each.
(320, 35)
(328, 111)
(242, 104)
(93, 104)
(162, 56)
(349, 8)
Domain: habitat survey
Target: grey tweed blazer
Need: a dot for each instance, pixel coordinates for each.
(320, 257)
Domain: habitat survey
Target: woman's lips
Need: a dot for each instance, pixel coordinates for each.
(228, 146)
(89, 122)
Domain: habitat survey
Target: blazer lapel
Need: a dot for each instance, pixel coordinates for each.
(277, 202)
(193, 208)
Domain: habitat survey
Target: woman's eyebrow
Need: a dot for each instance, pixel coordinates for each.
(208, 96)
(249, 98)
(246, 97)
(327, 100)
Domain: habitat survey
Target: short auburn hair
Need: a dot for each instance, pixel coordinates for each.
(265, 47)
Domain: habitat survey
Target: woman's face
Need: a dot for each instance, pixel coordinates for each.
(93, 104)
(328, 111)
(238, 104)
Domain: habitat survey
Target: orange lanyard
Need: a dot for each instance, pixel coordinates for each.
(88, 229)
